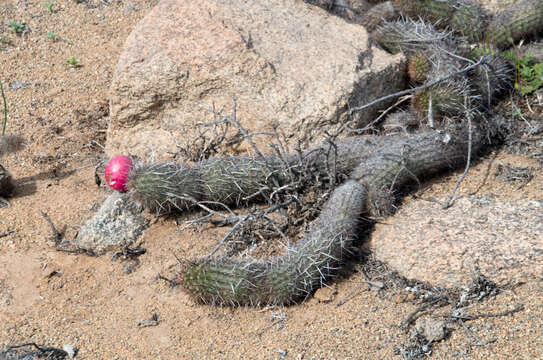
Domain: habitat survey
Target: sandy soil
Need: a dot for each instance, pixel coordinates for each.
(55, 298)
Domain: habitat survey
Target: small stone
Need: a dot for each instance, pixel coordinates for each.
(432, 329)
(282, 352)
(71, 350)
(116, 225)
(398, 299)
(325, 294)
(130, 267)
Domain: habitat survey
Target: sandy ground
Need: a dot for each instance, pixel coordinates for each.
(55, 298)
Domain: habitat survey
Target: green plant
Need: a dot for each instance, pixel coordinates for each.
(418, 67)
(465, 17)
(73, 62)
(528, 75)
(520, 21)
(315, 258)
(51, 35)
(5, 108)
(492, 77)
(17, 28)
(286, 279)
(49, 5)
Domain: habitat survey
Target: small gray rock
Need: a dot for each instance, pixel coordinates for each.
(130, 267)
(71, 350)
(116, 225)
(432, 329)
(535, 50)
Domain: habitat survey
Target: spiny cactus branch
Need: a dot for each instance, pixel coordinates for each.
(309, 263)
(288, 278)
(483, 60)
(521, 20)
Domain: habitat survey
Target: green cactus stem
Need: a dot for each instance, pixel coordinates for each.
(430, 10)
(465, 17)
(468, 20)
(519, 21)
(443, 100)
(306, 265)
(166, 187)
(418, 67)
(288, 278)
(492, 78)
(410, 36)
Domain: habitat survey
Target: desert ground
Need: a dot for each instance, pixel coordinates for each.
(100, 304)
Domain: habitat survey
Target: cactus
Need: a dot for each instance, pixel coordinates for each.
(374, 16)
(286, 279)
(400, 120)
(235, 180)
(521, 20)
(411, 158)
(290, 277)
(410, 36)
(445, 99)
(468, 20)
(6, 183)
(492, 78)
(465, 17)
(223, 181)
(418, 67)
(431, 10)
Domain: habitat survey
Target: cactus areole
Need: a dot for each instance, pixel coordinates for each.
(117, 171)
